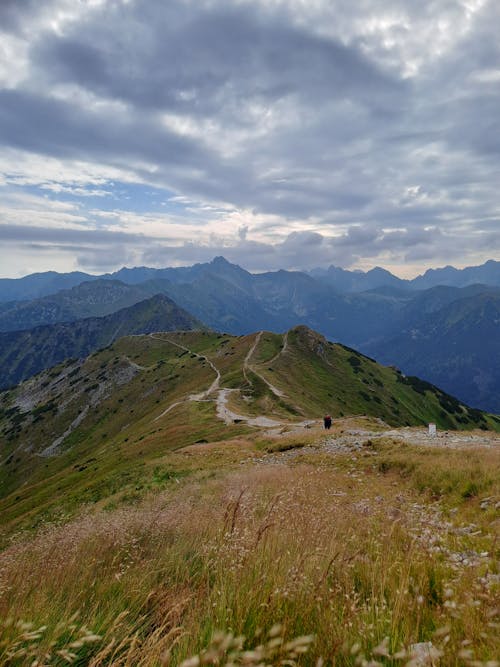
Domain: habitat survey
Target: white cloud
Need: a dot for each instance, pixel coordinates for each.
(25, 168)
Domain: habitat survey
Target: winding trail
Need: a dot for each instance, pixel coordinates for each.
(230, 417)
(283, 349)
(223, 412)
(246, 367)
(201, 396)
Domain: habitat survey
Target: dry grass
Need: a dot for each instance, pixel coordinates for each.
(354, 551)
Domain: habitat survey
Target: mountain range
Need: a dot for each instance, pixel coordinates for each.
(359, 281)
(376, 312)
(37, 285)
(88, 299)
(457, 345)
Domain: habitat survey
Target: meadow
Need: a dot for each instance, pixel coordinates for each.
(269, 553)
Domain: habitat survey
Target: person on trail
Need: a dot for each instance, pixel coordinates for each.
(327, 420)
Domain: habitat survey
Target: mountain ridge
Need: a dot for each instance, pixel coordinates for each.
(25, 353)
(228, 298)
(43, 283)
(88, 299)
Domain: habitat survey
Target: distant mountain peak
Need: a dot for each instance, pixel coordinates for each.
(221, 263)
(378, 270)
(221, 260)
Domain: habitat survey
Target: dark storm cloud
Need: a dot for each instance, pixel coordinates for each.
(66, 129)
(167, 56)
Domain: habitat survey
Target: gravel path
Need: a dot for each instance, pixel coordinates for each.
(354, 441)
(230, 417)
(222, 410)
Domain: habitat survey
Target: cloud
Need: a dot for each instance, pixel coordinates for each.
(242, 232)
(213, 55)
(283, 134)
(13, 13)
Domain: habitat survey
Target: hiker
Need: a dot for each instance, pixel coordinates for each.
(327, 420)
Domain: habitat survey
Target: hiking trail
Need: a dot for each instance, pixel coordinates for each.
(201, 396)
(246, 367)
(221, 400)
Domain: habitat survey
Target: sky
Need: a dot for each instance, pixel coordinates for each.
(278, 133)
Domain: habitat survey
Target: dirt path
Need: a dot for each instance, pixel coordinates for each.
(275, 428)
(283, 349)
(246, 361)
(246, 366)
(222, 410)
(201, 396)
(230, 417)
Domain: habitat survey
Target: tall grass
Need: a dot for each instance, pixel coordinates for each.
(349, 554)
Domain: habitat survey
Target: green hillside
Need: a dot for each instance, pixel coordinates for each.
(92, 431)
(24, 353)
(318, 376)
(179, 484)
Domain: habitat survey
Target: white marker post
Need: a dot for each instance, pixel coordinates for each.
(432, 430)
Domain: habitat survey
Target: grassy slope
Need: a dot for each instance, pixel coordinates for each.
(121, 391)
(349, 549)
(158, 532)
(321, 376)
(110, 449)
